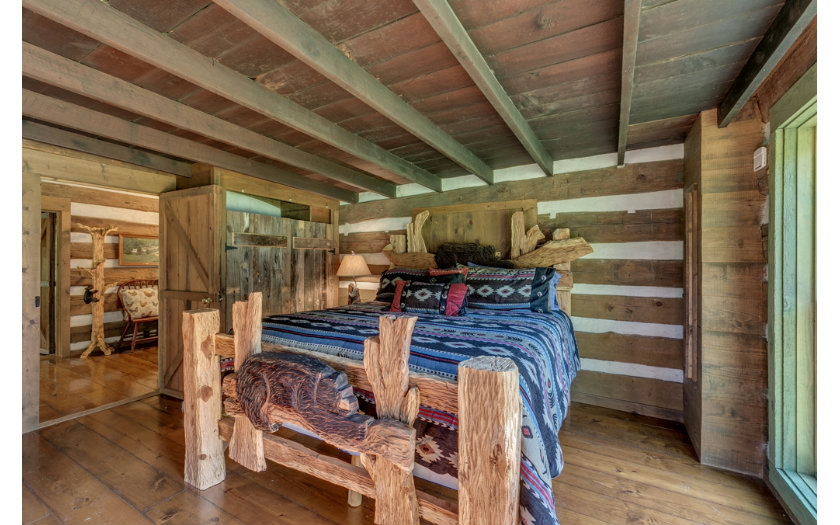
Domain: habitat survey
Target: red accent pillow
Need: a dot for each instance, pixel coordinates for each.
(398, 288)
(457, 296)
(434, 272)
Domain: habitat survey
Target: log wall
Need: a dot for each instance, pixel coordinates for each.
(627, 297)
(133, 214)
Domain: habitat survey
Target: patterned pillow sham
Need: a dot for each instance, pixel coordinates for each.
(388, 281)
(389, 278)
(433, 298)
(514, 289)
(140, 302)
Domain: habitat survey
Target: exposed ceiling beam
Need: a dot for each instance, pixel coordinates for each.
(69, 115)
(445, 22)
(60, 72)
(109, 150)
(632, 14)
(792, 19)
(108, 25)
(282, 27)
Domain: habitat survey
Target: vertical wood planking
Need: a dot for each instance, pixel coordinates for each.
(30, 288)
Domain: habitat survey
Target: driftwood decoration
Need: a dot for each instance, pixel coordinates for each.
(399, 243)
(554, 252)
(386, 364)
(522, 242)
(414, 232)
(97, 275)
(246, 443)
(281, 387)
(559, 234)
(411, 260)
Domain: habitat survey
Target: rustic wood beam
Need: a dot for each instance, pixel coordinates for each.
(445, 22)
(282, 27)
(62, 113)
(60, 72)
(101, 22)
(109, 150)
(791, 21)
(632, 14)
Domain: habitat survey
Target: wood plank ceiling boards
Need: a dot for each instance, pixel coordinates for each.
(112, 27)
(393, 97)
(72, 76)
(786, 28)
(446, 24)
(283, 28)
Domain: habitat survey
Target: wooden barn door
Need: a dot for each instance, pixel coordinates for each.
(287, 260)
(191, 269)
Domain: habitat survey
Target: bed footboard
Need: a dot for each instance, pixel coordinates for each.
(490, 413)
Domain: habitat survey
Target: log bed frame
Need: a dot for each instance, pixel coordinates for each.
(317, 399)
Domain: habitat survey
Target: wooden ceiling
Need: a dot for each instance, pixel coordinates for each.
(343, 96)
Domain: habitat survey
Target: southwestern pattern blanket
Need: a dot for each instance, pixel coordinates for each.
(541, 344)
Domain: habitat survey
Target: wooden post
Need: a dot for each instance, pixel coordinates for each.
(246, 443)
(489, 441)
(517, 234)
(97, 275)
(354, 499)
(204, 463)
(386, 364)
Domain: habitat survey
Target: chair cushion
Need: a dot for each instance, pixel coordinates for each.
(140, 302)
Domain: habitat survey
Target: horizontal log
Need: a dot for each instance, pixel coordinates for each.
(102, 198)
(83, 250)
(259, 240)
(293, 455)
(633, 178)
(78, 306)
(312, 243)
(629, 272)
(421, 260)
(619, 226)
(554, 252)
(82, 333)
(624, 308)
(610, 346)
(79, 277)
(123, 227)
(639, 390)
(366, 242)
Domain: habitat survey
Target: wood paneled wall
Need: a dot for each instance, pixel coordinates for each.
(131, 213)
(627, 296)
(726, 407)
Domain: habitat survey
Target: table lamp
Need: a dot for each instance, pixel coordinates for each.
(353, 266)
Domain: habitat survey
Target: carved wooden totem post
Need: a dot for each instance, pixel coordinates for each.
(386, 364)
(97, 275)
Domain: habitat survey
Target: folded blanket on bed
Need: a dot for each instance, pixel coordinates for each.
(541, 344)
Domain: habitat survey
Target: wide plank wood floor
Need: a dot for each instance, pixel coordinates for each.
(72, 385)
(125, 465)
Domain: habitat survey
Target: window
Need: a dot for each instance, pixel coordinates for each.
(792, 301)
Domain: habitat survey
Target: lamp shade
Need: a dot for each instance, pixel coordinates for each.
(353, 266)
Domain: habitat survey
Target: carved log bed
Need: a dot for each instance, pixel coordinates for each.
(312, 391)
(314, 394)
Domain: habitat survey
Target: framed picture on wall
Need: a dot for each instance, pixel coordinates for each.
(139, 250)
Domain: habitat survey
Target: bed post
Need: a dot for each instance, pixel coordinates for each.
(386, 364)
(204, 462)
(246, 442)
(489, 441)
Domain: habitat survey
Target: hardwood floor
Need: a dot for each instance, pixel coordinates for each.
(125, 465)
(72, 385)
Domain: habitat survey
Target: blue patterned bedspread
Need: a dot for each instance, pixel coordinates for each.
(542, 346)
